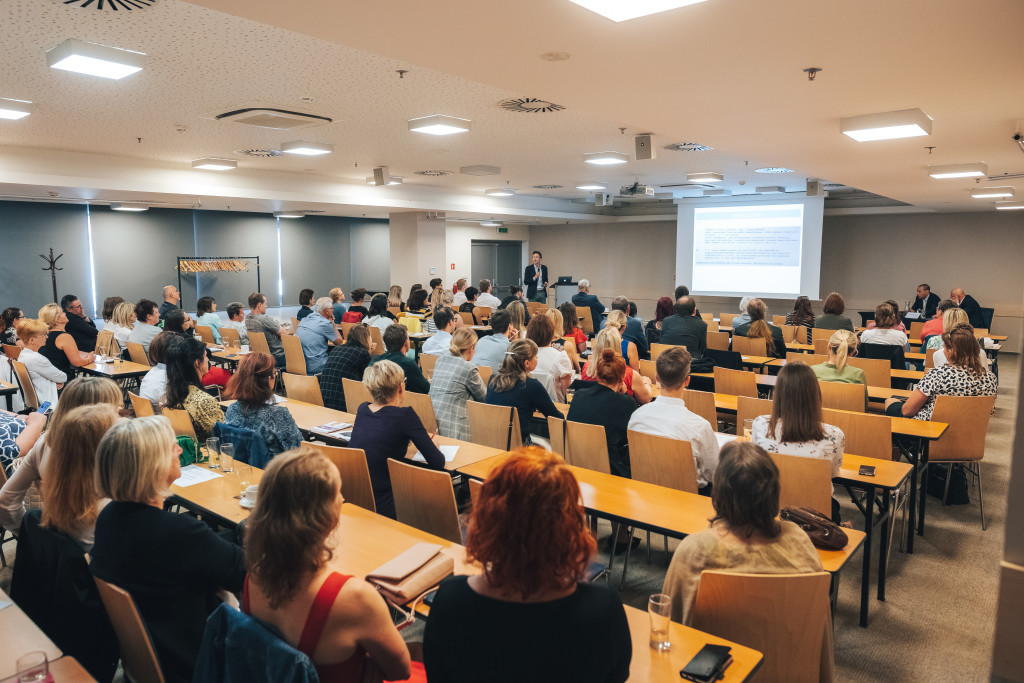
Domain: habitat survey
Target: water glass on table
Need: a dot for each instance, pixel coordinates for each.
(213, 452)
(659, 607)
(748, 427)
(227, 457)
(33, 667)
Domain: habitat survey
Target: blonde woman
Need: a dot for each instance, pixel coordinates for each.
(337, 296)
(395, 298)
(634, 384)
(46, 379)
(456, 380)
(950, 319)
(60, 347)
(559, 343)
(617, 320)
(517, 310)
(122, 322)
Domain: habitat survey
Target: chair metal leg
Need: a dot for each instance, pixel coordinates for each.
(949, 478)
(648, 547)
(668, 560)
(611, 544)
(625, 562)
(981, 499)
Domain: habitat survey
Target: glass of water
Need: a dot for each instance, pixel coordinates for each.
(227, 457)
(659, 607)
(212, 452)
(33, 667)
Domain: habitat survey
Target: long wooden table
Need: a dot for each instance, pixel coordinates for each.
(123, 370)
(769, 382)
(19, 635)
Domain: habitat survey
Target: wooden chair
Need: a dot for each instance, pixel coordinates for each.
(294, 359)
(712, 325)
(482, 313)
(138, 656)
(305, 388)
(533, 306)
(137, 352)
(649, 369)
(778, 320)
(295, 325)
(556, 435)
(702, 403)
(784, 616)
(181, 423)
(106, 345)
(474, 491)
(841, 396)
(586, 317)
(356, 487)
(663, 461)
(258, 342)
(468, 319)
(877, 372)
(356, 394)
(143, 407)
(929, 358)
(345, 327)
(230, 337)
(748, 408)
(28, 390)
(915, 330)
(718, 340)
(964, 441)
(821, 346)
(980, 332)
(425, 499)
(804, 482)
(486, 372)
(427, 362)
(808, 358)
(205, 332)
(658, 349)
(735, 382)
(725, 320)
(789, 334)
(395, 310)
(494, 426)
(865, 434)
(818, 333)
(707, 317)
(749, 346)
(378, 339)
(586, 447)
(11, 351)
(424, 409)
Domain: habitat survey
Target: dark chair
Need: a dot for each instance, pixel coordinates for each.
(986, 314)
(889, 352)
(866, 317)
(730, 360)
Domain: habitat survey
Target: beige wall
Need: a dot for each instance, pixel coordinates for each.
(459, 246)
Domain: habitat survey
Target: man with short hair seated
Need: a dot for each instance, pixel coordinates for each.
(396, 341)
(971, 307)
(490, 350)
(315, 331)
(686, 328)
(259, 321)
(634, 331)
(172, 297)
(81, 328)
(926, 302)
(585, 298)
(236, 320)
(486, 298)
(667, 415)
(437, 345)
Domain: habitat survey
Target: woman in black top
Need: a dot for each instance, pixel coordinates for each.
(306, 299)
(60, 348)
(384, 429)
(758, 327)
(418, 302)
(345, 362)
(8, 319)
(358, 296)
(173, 565)
(605, 403)
(512, 385)
(529, 616)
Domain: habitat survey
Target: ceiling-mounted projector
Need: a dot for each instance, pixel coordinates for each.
(636, 190)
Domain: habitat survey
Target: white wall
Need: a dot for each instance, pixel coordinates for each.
(459, 247)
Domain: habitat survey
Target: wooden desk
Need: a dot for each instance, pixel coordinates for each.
(908, 375)
(19, 636)
(228, 357)
(8, 391)
(649, 665)
(68, 670)
(122, 370)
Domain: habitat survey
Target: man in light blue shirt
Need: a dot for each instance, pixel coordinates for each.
(315, 331)
(490, 350)
(438, 345)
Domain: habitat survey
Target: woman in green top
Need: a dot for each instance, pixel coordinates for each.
(950, 319)
(841, 345)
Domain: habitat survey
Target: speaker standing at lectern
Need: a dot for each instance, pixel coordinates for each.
(535, 277)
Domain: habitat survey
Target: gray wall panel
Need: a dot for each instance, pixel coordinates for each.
(219, 233)
(315, 253)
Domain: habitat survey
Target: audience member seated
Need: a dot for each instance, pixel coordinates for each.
(520, 317)
(9, 321)
(418, 302)
(617, 320)
(455, 381)
(109, 304)
(667, 415)
(662, 310)
(154, 383)
(633, 383)
(17, 436)
(46, 379)
(601, 403)
(379, 316)
(358, 296)
(315, 332)
(441, 300)
(444, 323)
(171, 564)
(33, 464)
(744, 317)
(396, 341)
(512, 386)
(802, 313)
(346, 362)
(147, 315)
(899, 318)
(552, 362)
(122, 322)
(340, 622)
(395, 300)
(306, 299)
(745, 535)
(490, 349)
(760, 328)
(951, 318)
(259, 321)
(60, 348)
(559, 342)
(685, 328)
(515, 293)
(884, 331)
(384, 428)
(532, 594)
(337, 307)
(795, 426)
(236, 320)
(171, 299)
(80, 326)
(206, 307)
(186, 365)
(926, 303)
(633, 331)
(935, 325)
(181, 322)
(486, 298)
(571, 327)
(469, 305)
(970, 306)
(841, 345)
(584, 298)
(252, 388)
(459, 293)
(832, 317)
(961, 375)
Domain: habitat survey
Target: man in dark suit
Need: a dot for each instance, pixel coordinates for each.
(585, 298)
(634, 328)
(80, 327)
(515, 293)
(969, 306)
(535, 277)
(926, 302)
(686, 328)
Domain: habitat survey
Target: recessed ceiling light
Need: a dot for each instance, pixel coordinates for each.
(769, 189)
(392, 180)
(439, 124)
(704, 177)
(717, 193)
(1010, 206)
(289, 214)
(214, 164)
(306, 148)
(122, 206)
(992, 192)
(491, 224)
(907, 123)
(606, 158)
(14, 109)
(972, 170)
(774, 169)
(94, 60)
(620, 10)
(591, 186)
(500, 192)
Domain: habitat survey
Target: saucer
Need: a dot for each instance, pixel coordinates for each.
(247, 503)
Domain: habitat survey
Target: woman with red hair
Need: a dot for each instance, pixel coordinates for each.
(252, 387)
(528, 531)
(664, 308)
(605, 403)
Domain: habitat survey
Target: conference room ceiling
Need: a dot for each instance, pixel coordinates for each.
(724, 73)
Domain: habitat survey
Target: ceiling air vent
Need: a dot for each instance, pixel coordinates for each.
(434, 174)
(115, 5)
(687, 147)
(271, 117)
(547, 187)
(260, 153)
(529, 105)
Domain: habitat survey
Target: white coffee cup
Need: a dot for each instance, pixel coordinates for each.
(252, 492)
(245, 348)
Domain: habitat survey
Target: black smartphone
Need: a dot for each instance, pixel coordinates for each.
(867, 470)
(708, 664)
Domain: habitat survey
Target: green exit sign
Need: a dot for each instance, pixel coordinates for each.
(502, 230)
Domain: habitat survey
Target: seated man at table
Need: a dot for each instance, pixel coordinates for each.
(686, 328)
(934, 325)
(585, 298)
(81, 328)
(515, 293)
(259, 321)
(486, 298)
(667, 415)
(926, 302)
(490, 350)
(236, 320)
(396, 341)
(634, 331)
(970, 306)
(437, 345)
(315, 331)
(172, 297)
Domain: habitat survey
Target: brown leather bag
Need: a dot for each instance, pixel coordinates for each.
(413, 573)
(825, 534)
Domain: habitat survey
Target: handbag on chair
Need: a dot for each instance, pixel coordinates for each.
(825, 534)
(411, 574)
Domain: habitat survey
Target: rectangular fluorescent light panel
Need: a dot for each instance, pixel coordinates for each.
(392, 180)
(769, 189)
(12, 110)
(973, 170)
(212, 164)
(1010, 206)
(620, 10)
(289, 214)
(606, 158)
(121, 206)
(705, 177)
(591, 186)
(94, 60)
(439, 124)
(889, 125)
(306, 148)
(491, 224)
(500, 192)
(992, 192)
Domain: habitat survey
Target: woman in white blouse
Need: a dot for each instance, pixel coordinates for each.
(121, 323)
(552, 362)
(46, 379)
(795, 426)
(884, 331)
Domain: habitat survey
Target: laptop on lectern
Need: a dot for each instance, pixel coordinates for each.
(564, 280)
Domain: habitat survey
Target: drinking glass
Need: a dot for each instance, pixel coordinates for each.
(212, 452)
(748, 426)
(227, 457)
(659, 607)
(33, 667)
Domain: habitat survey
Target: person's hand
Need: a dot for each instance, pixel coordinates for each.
(60, 385)
(511, 333)
(373, 346)
(890, 401)
(88, 357)
(34, 419)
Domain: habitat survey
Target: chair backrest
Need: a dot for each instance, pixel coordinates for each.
(649, 369)
(794, 333)
(143, 407)
(138, 656)
(494, 426)
(294, 360)
(968, 418)
(889, 352)
(295, 325)
(725, 320)
(345, 327)
(427, 362)
(556, 435)
(784, 616)
(474, 491)
(929, 358)
(877, 372)
(205, 332)
(586, 446)
(778, 320)
(181, 422)
(808, 358)
(424, 408)
(819, 333)
(658, 349)
(712, 324)
(842, 396)
(258, 341)
(467, 318)
(376, 336)
(28, 390)
(105, 344)
(411, 323)
(586, 319)
(915, 330)
(702, 403)
(230, 336)
(748, 408)
(356, 394)
(749, 346)
(804, 482)
(864, 434)
(486, 372)
(718, 340)
(663, 461)
(707, 317)
(395, 310)
(137, 352)
(534, 306)
(356, 487)
(425, 499)
(980, 332)
(821, 346)
(735, 382)
(12, 351)
(304, 388)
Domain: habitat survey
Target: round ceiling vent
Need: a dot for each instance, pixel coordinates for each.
(547, 187)
(434, 174)
(259, 152)
(773, 169)
(114, 5)
(529, 105)
(687, 147)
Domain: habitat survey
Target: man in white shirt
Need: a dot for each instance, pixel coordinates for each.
(667, 415)
(486, 298)
(460, 293)
(438, 345)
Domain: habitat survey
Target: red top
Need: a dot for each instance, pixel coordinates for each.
(580, 337)
(933, 326)
(627, 379)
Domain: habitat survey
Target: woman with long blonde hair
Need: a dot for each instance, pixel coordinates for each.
(395, 298)
(841, 346)
(617, 319)
(60, 348)
(635, 384)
